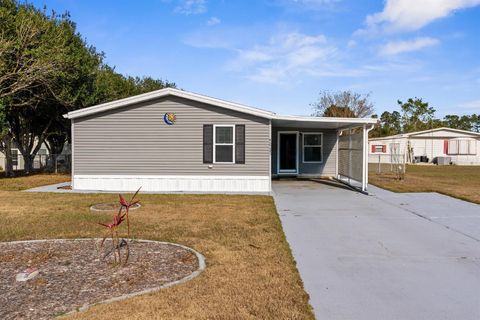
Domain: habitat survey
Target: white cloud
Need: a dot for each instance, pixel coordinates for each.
(285, 56)
(213, 21)
(190, 7)
(410, 15)
(397, 47)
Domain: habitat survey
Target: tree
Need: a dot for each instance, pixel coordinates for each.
(464, 122)
(343, 104)
(390, 124)
(417, 115)
(32, 51)
(110, 85)
(475, 122)
(5, 142)
(46, 69)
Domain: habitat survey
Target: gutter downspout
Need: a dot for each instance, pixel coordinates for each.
(365, 156)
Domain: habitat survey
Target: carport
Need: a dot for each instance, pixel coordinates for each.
(321, 147)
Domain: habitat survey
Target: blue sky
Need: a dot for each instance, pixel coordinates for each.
(279, 54)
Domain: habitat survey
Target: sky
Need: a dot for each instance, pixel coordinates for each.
(280, 54)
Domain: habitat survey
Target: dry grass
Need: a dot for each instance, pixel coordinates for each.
(250, 271)
(27, 182)
(461, 182)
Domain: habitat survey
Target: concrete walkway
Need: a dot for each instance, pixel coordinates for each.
(384, 256)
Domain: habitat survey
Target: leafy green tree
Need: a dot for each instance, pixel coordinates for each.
(417, 115)
(345, 104)
(464, 122)
(475, 122)
(46, 69)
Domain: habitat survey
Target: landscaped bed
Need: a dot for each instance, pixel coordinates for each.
(73, 274)
(461, 182)
(250, 271)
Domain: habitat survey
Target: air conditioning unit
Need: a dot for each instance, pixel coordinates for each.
(444, 161)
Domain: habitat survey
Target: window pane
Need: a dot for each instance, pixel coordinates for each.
(313, 139)
(313, 154)
(224, 154)
(224, 135)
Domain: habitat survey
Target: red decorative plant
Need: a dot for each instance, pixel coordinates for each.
(127, 205)
(113, 227)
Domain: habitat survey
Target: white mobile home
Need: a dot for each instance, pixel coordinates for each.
(173, 140)
(440, 145)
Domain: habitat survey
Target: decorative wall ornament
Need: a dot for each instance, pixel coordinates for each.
(169, 118)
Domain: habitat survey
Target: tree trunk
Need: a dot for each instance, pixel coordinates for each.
(7, 146)
(28, 163)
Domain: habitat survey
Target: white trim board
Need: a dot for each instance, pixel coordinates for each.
(171, 183)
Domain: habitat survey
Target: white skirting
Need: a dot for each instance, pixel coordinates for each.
(172, 183)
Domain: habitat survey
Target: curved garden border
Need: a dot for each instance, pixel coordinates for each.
(137, 206)
(201, 268)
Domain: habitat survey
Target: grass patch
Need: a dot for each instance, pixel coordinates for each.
(250, 270)
(32, 181)
(461, 182)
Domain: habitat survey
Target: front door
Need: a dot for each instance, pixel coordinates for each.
(287, 152)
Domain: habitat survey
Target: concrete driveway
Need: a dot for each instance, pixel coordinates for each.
(383, 256)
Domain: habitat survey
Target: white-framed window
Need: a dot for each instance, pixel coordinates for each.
(312, 147)
(224, 144)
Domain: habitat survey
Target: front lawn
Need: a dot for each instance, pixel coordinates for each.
(26, 182)
(250, 271)
(461, 182)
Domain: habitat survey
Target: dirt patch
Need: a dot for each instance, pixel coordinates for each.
(111, 206)
(72, 275)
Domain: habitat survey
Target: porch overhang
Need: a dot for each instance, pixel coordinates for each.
(321, 122)
(351, 147)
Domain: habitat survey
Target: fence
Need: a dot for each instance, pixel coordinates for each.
(387, 163)
(350, 158)
(50, 162)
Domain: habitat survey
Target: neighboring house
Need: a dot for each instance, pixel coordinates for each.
(40, 161)
(17, 159)
(173, 140)
(440, 145)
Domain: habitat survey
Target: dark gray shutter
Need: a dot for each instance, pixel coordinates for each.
(207, 143)
(240, 144)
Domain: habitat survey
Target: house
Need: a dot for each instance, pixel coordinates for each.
(17, 160)
(440, 145)
(42, 159)
(172, 140)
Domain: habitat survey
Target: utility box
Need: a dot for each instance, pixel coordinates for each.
(444, 161)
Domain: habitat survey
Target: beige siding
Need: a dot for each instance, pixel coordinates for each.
(134, 140)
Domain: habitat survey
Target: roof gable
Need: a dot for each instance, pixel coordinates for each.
(164, 93)
(443, 132)
(334, 122)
